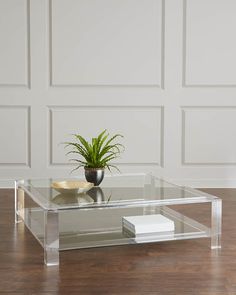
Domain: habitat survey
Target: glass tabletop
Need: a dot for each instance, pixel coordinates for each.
(122, 190)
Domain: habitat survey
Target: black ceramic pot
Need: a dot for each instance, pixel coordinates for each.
(94, 175)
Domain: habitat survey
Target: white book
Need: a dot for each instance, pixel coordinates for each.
(148, 224)
(148, 237)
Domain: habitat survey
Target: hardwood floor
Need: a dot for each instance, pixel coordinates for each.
(177, 267)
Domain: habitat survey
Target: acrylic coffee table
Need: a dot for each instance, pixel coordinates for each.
(64, 222)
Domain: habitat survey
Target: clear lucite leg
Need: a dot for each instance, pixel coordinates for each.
(216, 220)
(19, 202)
(51, 238)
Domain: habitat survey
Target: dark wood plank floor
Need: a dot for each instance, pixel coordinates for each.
(179, 267)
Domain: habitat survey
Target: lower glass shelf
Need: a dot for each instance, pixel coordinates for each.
(96, 228)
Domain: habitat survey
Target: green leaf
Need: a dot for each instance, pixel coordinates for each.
(112, 166)
(83, 142)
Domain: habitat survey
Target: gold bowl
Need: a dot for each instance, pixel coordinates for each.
(72, 187)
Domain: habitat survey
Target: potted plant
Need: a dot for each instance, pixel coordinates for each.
(95, 156)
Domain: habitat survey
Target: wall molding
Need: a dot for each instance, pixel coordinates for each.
(160, 85)
(184, 58)
(56, 107)
(183, 136)
(26, 164)
(28, 54)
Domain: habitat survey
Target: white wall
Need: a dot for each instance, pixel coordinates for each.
(161, 72)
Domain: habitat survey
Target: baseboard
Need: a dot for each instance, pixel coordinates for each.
(7, 183)
(206, 183)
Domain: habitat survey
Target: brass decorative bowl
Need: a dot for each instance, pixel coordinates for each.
(72, 187)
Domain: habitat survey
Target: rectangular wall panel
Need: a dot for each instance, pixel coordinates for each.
(15, 136)
(14, 43)
(209, 136)
(141, 127)
(105, 42)
(209, 43)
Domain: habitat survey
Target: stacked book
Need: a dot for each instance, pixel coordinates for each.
(144, 227)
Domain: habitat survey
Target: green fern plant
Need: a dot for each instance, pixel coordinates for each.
(98, 153)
